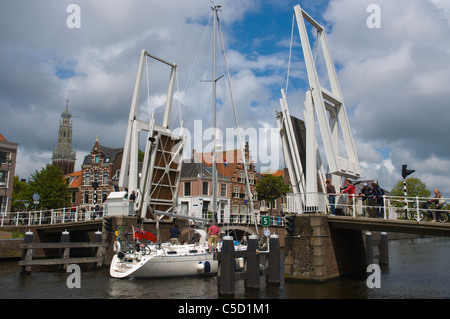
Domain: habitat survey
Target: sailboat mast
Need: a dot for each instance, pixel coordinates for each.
(214, 120)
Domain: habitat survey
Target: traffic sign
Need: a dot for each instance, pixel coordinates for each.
(265, 221)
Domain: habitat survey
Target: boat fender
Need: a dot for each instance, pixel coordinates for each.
(116, 247)
(200, 266)
(207, 267)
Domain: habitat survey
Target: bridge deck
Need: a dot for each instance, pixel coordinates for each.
(390, 225)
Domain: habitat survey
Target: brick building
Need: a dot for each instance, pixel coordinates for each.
(99, 174)
(8, 155)
(230, 164)
(195, 192)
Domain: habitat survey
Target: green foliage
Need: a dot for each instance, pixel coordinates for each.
(414, 187)
(271, 187)
(19, 193)
(49, 183)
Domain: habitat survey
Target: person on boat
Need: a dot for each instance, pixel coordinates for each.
(213, 233)
(174, 233)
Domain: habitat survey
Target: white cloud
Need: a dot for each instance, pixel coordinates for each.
(394, 84)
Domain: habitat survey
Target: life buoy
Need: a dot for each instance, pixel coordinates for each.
(116, 247)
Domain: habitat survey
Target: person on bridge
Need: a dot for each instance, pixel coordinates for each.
(437, 204)
(350, 190)
(378, 194)
(331, 191)
(366, 196)
(213, 233)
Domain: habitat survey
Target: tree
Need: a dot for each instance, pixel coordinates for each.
(270, 188)
(414, 187)
(49, 183)
(19, 193)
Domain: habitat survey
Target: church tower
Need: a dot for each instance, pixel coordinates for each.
(64, 156)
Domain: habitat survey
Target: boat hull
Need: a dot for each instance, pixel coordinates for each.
(164, 265)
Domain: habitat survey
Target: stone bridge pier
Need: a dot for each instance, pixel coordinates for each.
(320, 253)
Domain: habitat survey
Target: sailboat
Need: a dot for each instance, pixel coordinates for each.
(157, 192)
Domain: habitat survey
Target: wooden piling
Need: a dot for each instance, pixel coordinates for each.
(97, 251)
(252, 269)
(64, 246)
(273, 263)
(227, 264)
(27, 254)
(383, 248)
(64, 253)
(229, 272)
(369, 247)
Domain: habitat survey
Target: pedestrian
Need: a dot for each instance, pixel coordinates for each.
(132, 199)
(438, 203)
(331, 191)
(174, 234)
(350, 190)
(366, 196)
(213, 233)
(378, 194)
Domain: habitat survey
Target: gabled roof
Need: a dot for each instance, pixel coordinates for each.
(106, 152)
(199, 170)
(227, 162)
(2, 138)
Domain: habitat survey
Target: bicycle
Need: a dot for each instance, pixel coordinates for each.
(124, 245)
(441, 216)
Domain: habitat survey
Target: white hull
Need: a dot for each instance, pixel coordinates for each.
(168, 261)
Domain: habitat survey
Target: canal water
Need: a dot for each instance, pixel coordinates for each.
(418, 268)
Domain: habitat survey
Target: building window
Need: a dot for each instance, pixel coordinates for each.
(86, 197)
(3, 178)
(96, 159)
(205, 188)
(87, 179)
(223, 190)
(241, 177)
(236, 192)
(187, 188)
(4, 156)
(105, 178)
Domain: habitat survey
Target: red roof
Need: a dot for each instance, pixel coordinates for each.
(2, 138)
(75, 179)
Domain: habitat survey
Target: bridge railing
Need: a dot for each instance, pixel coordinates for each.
(388, 207)
(52, 216)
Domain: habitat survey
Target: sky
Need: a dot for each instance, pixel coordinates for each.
(394, 75)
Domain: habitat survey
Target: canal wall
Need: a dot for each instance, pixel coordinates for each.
(317, 253)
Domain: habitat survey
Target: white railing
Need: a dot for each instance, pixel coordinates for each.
(388, 207)
(306, 202)
(52, 216)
